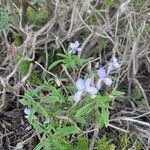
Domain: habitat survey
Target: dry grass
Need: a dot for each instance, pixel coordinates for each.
(122, 29)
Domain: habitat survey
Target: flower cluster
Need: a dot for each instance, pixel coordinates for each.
(75, 49)
(84, 86)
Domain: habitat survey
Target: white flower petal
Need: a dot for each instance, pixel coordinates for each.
(108, 81)
(92, 90)
(116, 65)
(110, 67)
(88, 82)
(99, 84)
(80, 84)
(26, 116)
(74, 51)
(79, 49)
(27, 111)
(76, 44)
(72, 46)
(101, 72)
(77, 96)
(114, 59)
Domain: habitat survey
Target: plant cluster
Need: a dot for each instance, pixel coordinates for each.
(58, 116)
(70, 96)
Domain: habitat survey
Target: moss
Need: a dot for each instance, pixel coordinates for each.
(34, 79)
(108, 2)
(17, 39)
(124, 141)
(38, 17)
(138, 4)
(104, 144)
(5, 17)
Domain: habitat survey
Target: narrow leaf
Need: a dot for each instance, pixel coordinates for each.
(67, 131)
(54, 64)
(84, 110)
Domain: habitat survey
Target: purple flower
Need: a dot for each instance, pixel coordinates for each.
(27, 112)
(113, 64)
(84, 87)
(75, 47)
(101, 72)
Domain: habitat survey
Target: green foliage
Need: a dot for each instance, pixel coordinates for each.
(101, 43)
(84, 110)
(138, 145)
(138, 4)
(143, 30)
(38, 17)
(104, 144)
(54, 135)
(102, 113)
(58, 119)
(99, 105)
(17, 39)
(24, 68)
(34, 79)
(65, 131)
(108, 2)
(24, 65)
(5, 17)
(55, 63)
(124, 141)
(82, 144)
(72, 62)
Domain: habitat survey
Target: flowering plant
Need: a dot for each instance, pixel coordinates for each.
(57, 118)
(83, 86)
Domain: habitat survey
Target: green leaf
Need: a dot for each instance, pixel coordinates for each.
(27, 100)
(117, 93)
(34, 122)
(85, 109)
(80, 120)
(62, 55)
(99, 120)
(102, 118)
(50, 99)
(42, 111)
(54, 64)
(65, 131)
(57, 93)
(33, 92)
(44, 143)
(82, 144)
(103, 101)
(61, 144)
(105, 116)
(24, 101)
